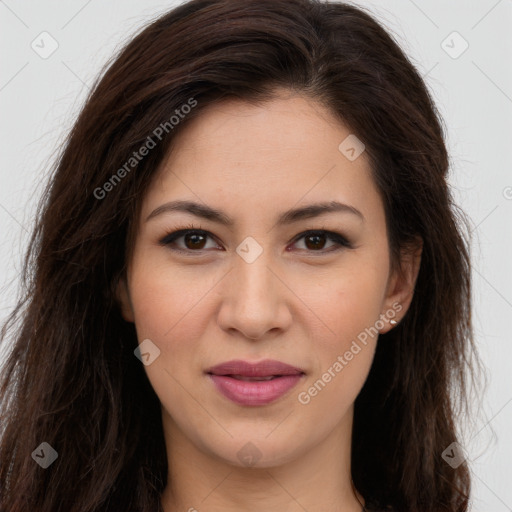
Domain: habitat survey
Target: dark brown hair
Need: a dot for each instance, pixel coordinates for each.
(72, 380)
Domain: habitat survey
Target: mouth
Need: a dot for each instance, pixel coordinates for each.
(254, 384)
(266, 369)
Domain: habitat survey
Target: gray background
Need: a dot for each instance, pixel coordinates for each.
(40, 97)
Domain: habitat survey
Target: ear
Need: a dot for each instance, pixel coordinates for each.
(400, 288)
(123, 298)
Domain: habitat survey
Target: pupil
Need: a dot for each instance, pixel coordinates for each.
(196, 242)
(315, 245)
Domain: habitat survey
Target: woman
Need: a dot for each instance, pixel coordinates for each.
(248, 287)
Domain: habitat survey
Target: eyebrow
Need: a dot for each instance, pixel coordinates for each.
(289, 217)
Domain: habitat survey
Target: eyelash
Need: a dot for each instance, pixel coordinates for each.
(172, 236)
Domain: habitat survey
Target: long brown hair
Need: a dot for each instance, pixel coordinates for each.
(71, 379)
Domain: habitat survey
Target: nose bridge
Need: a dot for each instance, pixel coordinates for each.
(251, 298)
(253, 281)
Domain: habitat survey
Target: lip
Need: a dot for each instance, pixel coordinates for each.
(265, 368)
(254, 392)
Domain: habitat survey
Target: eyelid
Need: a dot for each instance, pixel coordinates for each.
(340, 241)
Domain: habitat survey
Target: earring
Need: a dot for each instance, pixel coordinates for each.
(393, 322)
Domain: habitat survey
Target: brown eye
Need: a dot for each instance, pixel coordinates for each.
(187, 240)
(315, 241)
(194, 240)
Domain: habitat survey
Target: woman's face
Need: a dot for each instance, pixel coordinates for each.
(259, 287)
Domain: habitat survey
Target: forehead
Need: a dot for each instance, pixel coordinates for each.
(263, 158)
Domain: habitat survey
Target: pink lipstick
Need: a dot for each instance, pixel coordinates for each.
(253, 384)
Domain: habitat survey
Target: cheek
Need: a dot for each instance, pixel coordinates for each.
(343, 362)
(349, 300)
(169, 310)
(168, 304)
(349, 309)
(161, 292)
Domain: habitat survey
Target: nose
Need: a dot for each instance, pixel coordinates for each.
(255, 299)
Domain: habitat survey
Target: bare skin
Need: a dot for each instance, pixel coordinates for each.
(295, 302)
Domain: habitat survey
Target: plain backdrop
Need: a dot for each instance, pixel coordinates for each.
(462, 48)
